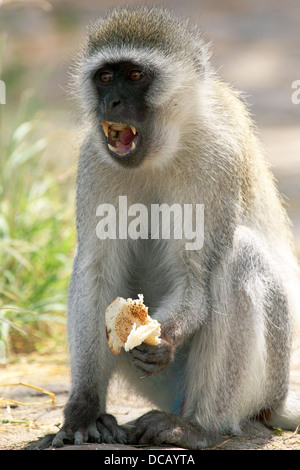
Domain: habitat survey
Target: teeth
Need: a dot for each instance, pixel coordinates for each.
(113, 149)
(115, 126)
(105, 127)
(118, 127)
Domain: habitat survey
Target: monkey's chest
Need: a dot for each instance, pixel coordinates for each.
(150, 272)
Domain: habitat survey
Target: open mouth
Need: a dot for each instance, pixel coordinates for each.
(122, 139)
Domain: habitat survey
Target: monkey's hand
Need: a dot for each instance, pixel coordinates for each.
(104, 430)
(152, 359)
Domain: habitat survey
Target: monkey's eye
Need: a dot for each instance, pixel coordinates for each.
(106, 76)
(136, 75)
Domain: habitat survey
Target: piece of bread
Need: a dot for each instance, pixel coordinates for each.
(128, 325)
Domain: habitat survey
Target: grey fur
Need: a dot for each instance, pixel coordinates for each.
(226, 309)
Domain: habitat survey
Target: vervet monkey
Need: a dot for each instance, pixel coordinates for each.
(162, 128)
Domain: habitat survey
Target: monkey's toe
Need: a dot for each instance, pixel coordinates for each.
(62, 437)
(104, 430)
(110, 431)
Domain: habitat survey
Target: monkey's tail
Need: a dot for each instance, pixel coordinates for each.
(287, 414)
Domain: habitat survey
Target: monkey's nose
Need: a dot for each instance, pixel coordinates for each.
(115, 103)
(112, 105)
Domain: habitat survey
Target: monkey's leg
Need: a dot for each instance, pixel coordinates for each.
(239, 360)
(91, 363)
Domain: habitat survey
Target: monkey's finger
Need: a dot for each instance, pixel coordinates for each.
(159, 357)
(162, 347)
(144, 367)
(145, 348)
(149, 368)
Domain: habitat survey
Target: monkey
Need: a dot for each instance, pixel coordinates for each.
(161, 127)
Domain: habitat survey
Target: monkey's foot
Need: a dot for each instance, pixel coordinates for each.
(160, 428)
(104, 430)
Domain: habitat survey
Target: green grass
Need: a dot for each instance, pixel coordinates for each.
(37, 236)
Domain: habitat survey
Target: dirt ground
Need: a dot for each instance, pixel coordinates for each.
(22, 425)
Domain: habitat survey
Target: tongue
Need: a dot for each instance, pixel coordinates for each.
(124, 142)
(122, 149)
(126, 136)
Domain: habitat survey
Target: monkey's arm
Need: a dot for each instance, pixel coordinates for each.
(181, 314)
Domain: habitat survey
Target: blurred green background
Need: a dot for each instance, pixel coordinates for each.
(255, 46)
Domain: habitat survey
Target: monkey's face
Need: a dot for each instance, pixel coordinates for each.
(123, 114)
(141, 103)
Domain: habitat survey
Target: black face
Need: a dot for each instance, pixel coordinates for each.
(123, 111)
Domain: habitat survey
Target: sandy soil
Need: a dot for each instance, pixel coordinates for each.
(22, 426)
